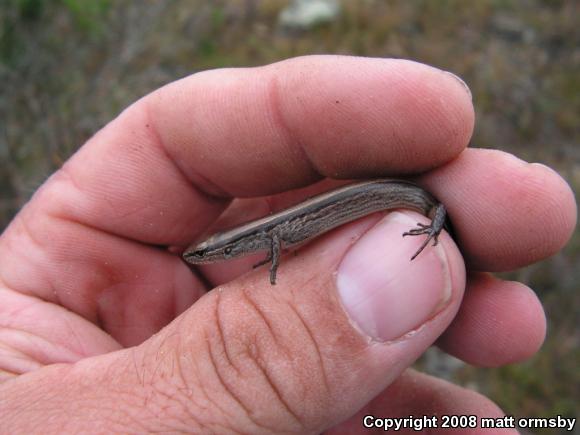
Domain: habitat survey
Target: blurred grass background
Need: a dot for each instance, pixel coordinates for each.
(67, 67)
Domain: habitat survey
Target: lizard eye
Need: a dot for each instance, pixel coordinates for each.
(228, 250)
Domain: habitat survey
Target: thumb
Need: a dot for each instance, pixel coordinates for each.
(348, 314)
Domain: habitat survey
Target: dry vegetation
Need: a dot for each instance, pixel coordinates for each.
(69, 66)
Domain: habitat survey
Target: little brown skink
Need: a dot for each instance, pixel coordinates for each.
(318, 215)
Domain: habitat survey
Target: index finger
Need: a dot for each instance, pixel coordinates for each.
(251, 132)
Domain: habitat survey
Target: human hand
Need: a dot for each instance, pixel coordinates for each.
(103, 329)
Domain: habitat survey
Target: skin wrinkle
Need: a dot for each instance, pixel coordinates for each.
(67, 217)
(65, 176)
(15, 353)
(279, 395)
(258, 361)
(159, 362)
(36, 401)
(315, 347)
(73, 334)
(122, 414)
(93, 313)
(265, 321)
(200, 385)
(119, 415)
(66, 349)
(185, 399)
(133, 353)
(180, 400)
(270, 202)
(6, 375)
(185, 402)
(96, 319)
(210, 190)
(157, 355)
(39, 337)
(219, 377)
(156, 140)
(214, 361)
(22, 225)
(173, 353)
(256, 357)
(15, 313)
(125, 215)
(125, 416)
(286, 135)
(153, 133)
(219, 327)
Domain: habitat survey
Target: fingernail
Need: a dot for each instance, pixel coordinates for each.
(460, 80)
(384, 293)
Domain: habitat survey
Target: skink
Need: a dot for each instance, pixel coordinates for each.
(316, 216)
